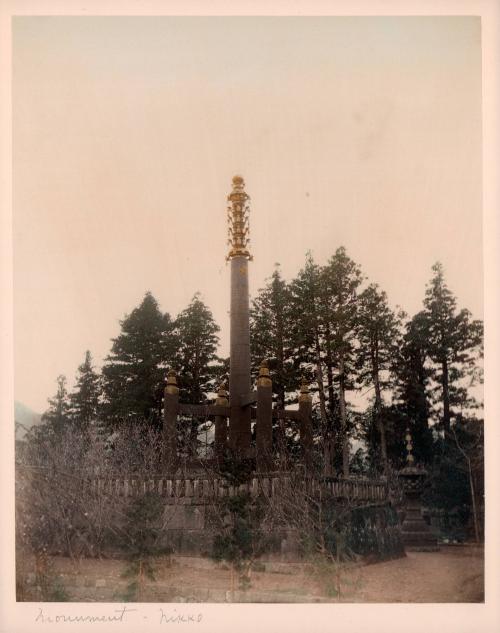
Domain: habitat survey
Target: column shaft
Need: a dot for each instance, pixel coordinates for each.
(239, 376)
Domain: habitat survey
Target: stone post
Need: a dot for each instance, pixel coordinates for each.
(239, 376)
(305, 410)
(239, 371)
(415, 532)
(170, 413)
(221, 424)
(264, 427)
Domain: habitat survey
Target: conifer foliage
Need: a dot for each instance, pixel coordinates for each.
(195, 358)
(197, 365)
(270, 336)
(57, 417)
(454, 345)
(372, 373)
(378, 336)
(84, 401)
(327, 325)
(134, 372)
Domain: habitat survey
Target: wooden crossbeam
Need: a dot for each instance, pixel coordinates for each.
(204, 410)
(286, 414)
(248, 398)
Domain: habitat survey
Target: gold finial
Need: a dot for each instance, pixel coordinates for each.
(221, 399)
(409, 447)
(304, 396)
(237, 213)
(171, 383)
(264, 379)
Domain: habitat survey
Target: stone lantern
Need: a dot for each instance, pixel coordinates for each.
(416, 533)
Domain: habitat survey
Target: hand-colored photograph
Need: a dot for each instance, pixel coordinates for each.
(248, 309)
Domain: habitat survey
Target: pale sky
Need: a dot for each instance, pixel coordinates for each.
(361, 132)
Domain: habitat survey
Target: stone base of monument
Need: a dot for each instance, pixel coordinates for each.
(415, 533)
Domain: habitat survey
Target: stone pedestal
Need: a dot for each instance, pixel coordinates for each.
(415, 532)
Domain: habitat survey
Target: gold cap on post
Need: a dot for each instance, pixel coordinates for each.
(222, 396)
(171, 383)
(238, 220)
(264, 379)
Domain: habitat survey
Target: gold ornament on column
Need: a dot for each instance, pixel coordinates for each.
(238, 220)
(264, 379)
(171, 383)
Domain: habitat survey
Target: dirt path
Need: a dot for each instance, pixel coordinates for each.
(454, 574)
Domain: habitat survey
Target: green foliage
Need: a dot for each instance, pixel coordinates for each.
(339, 533)
(378, 337)
(412, 384)
(270, 336)
(453, 343)
(198, 367)
(236, 471)
(141, 542)
(455, 487)
(56, 419)
(195, 359)
(149, 343)
(84, 401)
(142, 516)
(374, 532)
(134, 373)
(240, 539)
(321, 325)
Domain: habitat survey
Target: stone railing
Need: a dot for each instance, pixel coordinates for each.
(199, 488)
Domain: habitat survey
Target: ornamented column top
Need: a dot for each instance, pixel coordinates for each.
(171, 383)
(411, 468)
(238, 220)
(410, 460)
(264, 379)
(222, 396)
(304, 396)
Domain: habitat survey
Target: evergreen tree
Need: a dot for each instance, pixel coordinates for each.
(378, 334)
(57, 417)
(196, 361)
(307, 327)
(453, 344)
(270, 335)
(84, 400)
(134, 372)
(342, 279)
(456, 482)
(411, 392)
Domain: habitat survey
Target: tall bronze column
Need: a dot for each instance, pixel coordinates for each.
(239, 373)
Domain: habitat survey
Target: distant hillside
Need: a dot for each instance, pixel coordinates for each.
(24, 419)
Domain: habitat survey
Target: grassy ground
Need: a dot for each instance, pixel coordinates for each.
(454, 574)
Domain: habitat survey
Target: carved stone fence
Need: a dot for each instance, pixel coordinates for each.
(199, 490)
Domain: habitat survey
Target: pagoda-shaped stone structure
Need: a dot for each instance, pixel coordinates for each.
(417, 535)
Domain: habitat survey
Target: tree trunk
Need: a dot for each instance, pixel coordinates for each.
(280, 354)
(329, 370)
(473, 497)
(322, 408)
(378, 409)
(330, 442)
(446, 398)
(343, 418)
